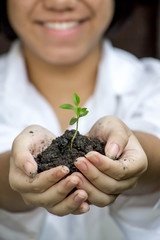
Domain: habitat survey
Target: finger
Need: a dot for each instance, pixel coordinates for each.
(41, 182)
(116, 143)
(28, 144)
(70, 204)
(112, 131)
(95, 196)
(24, 161)
(83, 208)
(54, 194)
(132, 163)
(102, 181)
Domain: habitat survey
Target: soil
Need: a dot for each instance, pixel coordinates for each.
(59, 152)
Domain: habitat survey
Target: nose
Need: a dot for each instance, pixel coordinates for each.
(60, 5)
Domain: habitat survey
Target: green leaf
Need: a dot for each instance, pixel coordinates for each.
(76, 99)
(77, 111)
(73, 121)
(83, 112)
(67, 106)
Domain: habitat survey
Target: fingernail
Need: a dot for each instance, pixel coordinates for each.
(82, 165)
(72, 182)
(30, 169)
(79, 198)
(34, 174)
(89, 155)
(63, 170)
(92, 157)
(113, 151)
(84, 209)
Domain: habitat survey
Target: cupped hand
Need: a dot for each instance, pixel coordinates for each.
(107, 176)
(44, 189)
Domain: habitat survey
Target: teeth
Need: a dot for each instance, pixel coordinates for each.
(61, 26)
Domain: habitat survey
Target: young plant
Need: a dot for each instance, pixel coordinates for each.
(80, 112)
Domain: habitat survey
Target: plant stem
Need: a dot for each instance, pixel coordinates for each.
(75, 133)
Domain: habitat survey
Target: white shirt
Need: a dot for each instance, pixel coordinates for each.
(127, 88)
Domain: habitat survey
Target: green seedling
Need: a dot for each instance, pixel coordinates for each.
(80, 112)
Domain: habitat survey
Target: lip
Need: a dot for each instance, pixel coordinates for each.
(62, 19)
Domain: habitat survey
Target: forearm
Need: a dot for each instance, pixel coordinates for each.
(9, 199)
(150, 180)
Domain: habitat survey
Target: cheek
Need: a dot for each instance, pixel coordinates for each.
(105, 12)
(18, 12)
(14, 11)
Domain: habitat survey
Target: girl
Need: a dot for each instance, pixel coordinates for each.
(60, 49)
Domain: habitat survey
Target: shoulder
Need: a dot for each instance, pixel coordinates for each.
(118, 54)
(124, 58)
(128, 72)
(151, 65)
(146, 65)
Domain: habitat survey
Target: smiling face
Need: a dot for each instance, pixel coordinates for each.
(60, 31)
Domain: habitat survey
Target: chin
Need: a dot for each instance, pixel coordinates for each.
(63, 60)
(64, 56)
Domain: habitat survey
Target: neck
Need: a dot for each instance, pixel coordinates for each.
(58, 83)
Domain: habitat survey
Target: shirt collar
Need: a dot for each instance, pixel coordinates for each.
(119, 71)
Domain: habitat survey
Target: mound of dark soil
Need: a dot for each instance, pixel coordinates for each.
(59, 153)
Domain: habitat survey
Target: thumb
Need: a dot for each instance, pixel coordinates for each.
(30, 166)
(25, 162)
(116, 143)
(114, 132)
